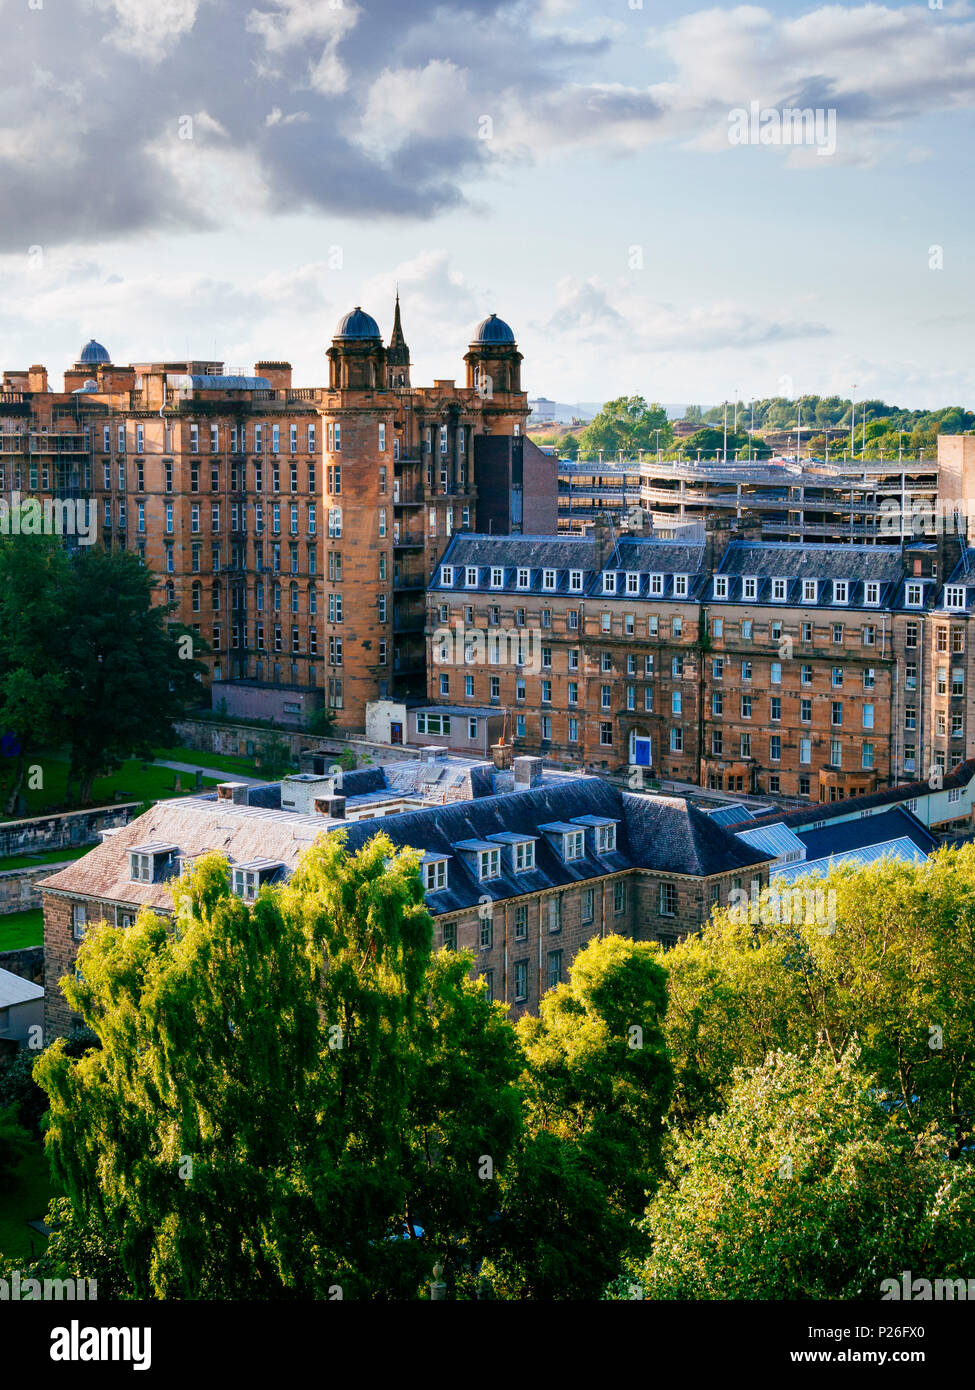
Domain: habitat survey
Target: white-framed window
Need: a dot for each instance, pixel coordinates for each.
(524, 856)
(632, 582)
(841, 591)
(749, 587)
(573, 844)
(668, 900)
(447, 575)
(79, 917)
(470, 576)
(575, 581)
(810, 589)
(680, 585)
(605, 839)
(914, 595)
(955, 596)
(497, 577)
(871, 593)
(779, 587)
(488, 863)
(656, 585)
(720, 586)
(524, 579)
(609, 582)
(548, 579)
(435, 876)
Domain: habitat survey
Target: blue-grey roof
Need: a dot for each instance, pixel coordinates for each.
(903, 849)
(493, 330)
(857, 564)
(730, 815)
(777, 840)
(865, 831)
(659, 833)
(959, 776)
(94, 353)
(357, 324)
(229, 383)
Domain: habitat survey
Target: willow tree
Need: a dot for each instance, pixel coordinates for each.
(257, 1123)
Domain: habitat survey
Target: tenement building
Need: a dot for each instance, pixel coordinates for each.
(294, 529)
(522, 879)
(821, 672)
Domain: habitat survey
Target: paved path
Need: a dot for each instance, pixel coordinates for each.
(216, 772)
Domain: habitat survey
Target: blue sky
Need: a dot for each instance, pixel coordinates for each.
(213, 178)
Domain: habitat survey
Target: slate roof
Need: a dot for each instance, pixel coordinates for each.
(665, 834)
(960, 776)
(895, 824)
(857, 564)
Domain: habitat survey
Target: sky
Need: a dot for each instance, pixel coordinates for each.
(214, 178)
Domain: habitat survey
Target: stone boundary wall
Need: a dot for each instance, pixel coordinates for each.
(209, 736)
(28, 963)
(18, 892)
(74, 828)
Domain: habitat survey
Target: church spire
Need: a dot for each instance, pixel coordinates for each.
(398, 354)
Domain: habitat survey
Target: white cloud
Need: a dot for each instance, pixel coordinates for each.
(150, 29)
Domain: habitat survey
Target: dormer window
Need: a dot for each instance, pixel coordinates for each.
(471, 577)
(575, 581)
(872, 593)
(656, 585)
(524, 578)
(915, 595)
(841, 591)
(548, 579)
(247, 879)
(447, 575)
(435, 875)
(567, 838)
(497, 577)
(779, 587)
(524, 856)
(488, 863)
(609, 582)
(810, 588)
(955, 596)
(147, 862)
(749, 587)
(680, 585)
(721, 586)
(605, 839)
(632, 582)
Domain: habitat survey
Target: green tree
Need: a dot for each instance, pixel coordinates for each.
(806, 1187)
(267, 1108)
(35, 578)
(568, 445)
(14, 1142)
(597, 1082)
(626, 424)
(130, 674)
(886, 953)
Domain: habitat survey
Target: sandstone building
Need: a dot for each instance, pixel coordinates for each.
(293, 528)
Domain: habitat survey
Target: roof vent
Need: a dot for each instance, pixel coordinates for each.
(233, 791)
(433, 753)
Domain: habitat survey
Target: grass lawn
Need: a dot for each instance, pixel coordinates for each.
(21, 929)
(46, 856)
(24, 1199)
(226, 762)
(134, 781)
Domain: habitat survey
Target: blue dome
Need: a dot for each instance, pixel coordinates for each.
(93, 353)
(493, 330)
(358, 324)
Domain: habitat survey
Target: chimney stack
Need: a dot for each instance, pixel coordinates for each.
(528, 772)
(501, 753)
(235, 792)
(333, 806)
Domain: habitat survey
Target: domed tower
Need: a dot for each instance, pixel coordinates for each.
(398, 354)
(493, 360)
(357, 358)
(93, 360)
